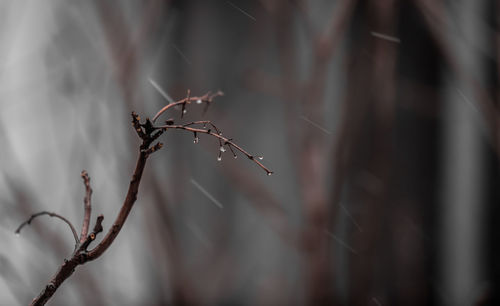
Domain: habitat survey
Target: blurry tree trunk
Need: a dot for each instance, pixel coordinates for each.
(461, 256)
(391, 157)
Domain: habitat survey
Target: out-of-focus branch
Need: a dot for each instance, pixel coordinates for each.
(435, 17)
(266, 204)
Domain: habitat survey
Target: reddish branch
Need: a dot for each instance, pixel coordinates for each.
(148, 133)
(206, 98)
(223, 141)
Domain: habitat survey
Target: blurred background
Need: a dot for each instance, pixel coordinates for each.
(380, 120)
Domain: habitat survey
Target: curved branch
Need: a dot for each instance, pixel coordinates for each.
(223, 141)
(51, 214)
(206, 98)
(79, 257)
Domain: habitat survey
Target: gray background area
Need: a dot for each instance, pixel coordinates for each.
(378, 118)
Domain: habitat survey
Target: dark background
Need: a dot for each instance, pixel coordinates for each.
(379, 119)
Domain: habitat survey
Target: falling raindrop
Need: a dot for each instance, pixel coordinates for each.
(261, 157)
(198, 101)
(222, 149)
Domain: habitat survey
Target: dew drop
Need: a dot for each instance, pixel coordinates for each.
(222, 149)
(198, 101)
(196, 140)
(261, 157)
(219, 158)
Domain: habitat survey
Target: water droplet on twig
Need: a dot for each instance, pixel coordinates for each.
(222, 149)
(260, 157)
(198, 101)
(196, 140)
(219, 158)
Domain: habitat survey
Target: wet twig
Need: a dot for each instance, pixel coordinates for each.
(149, 134)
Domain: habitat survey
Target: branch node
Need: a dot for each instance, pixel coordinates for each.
(91, 237)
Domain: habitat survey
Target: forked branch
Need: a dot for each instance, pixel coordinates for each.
(223, 141)
(149, 134)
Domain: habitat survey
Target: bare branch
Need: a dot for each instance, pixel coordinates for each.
(91, 237)
(148, 133)
(51, 214)
(124, 211)
(87, 206)
(79, 257)
(223, 141)
(206, 98)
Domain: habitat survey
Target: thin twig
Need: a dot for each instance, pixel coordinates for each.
(224, 140)
(79, 257)
(87, 206)
(148, 133)
(206, 98)
(91, 237)
(51, 214)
